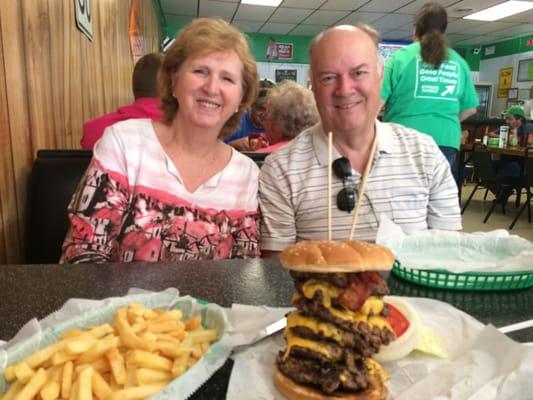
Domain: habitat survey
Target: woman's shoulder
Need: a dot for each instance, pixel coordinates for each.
(243, 163)
(135, 128)
(126, 138)
(131, 132)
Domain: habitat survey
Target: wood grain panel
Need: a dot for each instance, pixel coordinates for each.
(53, 79)
(16, 147)
(6, 168)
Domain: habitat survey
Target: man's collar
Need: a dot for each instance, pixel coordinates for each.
(320, 142)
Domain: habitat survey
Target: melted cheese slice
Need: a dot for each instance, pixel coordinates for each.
(376, 369)
(369, 311)
(293, 340)
(324, 329)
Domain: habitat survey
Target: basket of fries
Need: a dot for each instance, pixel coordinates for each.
(128, 348)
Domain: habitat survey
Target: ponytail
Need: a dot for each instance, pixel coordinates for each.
(430, 24)
(433, 46)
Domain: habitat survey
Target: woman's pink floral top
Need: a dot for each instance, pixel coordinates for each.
(131, 205)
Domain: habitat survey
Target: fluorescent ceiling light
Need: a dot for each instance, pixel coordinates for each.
(501, 10)
(271, 3)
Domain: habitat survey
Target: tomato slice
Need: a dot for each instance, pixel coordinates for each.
(397, 321)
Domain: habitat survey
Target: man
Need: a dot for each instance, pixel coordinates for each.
(252, 119)
(410, 179)
(516, 119)
(146, 104)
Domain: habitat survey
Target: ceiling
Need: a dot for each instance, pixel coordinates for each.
(393, 18)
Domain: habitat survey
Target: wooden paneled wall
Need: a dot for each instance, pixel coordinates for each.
(52, 79)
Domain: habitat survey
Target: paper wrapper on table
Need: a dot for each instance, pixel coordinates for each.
(247, 323)
(80, 313)
(483, 364)
(457, 252)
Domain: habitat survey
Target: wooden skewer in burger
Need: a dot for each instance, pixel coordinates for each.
(340, 321)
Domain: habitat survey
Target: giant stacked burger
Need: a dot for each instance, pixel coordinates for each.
(339, 322)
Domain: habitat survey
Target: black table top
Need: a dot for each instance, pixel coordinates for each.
(29, 291)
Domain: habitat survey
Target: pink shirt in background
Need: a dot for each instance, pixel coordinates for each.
(143, 107)
(272, 148)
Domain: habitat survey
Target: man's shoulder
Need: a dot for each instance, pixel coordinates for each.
(408, 139)
(528, 127)
(299, 149)
(102, 122)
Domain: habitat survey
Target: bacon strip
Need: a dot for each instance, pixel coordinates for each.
(359, 289)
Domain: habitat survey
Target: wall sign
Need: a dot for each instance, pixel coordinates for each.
(490, 50)
(525, 70)
(279, 51)
(135, 32)
(84, 19)
(505, 81)
(286, 75)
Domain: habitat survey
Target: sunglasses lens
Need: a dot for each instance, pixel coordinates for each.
(342, 168)
(346, 200)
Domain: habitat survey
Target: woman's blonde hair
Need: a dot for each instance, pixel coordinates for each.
(292, 108)
(204, 36)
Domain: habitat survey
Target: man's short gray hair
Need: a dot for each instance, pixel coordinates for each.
(370, 31)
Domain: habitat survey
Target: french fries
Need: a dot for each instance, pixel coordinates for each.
(134, 358)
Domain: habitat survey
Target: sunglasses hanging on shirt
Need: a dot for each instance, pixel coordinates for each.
(346, 197)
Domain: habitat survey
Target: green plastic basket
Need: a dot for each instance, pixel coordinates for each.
(442, 279)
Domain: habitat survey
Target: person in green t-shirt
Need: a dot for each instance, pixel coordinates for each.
(427, 85)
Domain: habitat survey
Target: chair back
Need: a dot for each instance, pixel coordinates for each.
(54, 179)
(528, 174)
(259, 158)
(483, 168)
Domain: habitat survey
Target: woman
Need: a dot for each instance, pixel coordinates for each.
(291, 109)
(172, 190)
(427, 85)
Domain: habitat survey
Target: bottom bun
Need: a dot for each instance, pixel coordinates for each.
(295, 391)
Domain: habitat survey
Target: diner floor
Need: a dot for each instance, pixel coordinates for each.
(478, 208)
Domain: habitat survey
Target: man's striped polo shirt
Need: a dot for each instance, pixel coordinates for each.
(410, 182)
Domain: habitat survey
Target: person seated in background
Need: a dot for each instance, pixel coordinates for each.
(409, 180)
(172, 190)
(252, 119)
(146, 104)
(291, 109)
(520, 128)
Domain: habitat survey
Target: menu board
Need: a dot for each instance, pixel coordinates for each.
(286, 75)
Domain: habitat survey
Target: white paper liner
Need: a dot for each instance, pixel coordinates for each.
(483, 364)
(495, 251)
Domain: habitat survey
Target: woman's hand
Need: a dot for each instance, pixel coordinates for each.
(249, 143)
(257, 141)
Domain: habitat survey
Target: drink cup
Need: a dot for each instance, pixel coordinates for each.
(504, 132)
